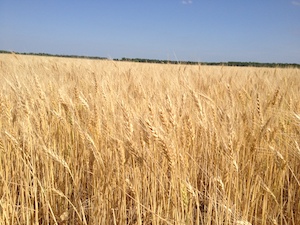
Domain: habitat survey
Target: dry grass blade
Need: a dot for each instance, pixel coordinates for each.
(58, 159)
(64, 216)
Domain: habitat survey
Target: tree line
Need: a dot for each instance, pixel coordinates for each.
(141, 60)
(241, 64)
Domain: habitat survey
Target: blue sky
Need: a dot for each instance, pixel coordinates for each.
(196, 30)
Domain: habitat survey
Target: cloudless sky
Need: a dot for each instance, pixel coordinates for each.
(195, 30)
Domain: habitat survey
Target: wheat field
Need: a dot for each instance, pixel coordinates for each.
(104, 142)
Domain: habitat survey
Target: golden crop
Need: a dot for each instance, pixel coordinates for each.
(103, 142)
